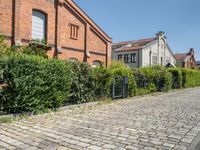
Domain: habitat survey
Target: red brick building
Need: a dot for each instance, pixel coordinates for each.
(186, 60)
(70, 32)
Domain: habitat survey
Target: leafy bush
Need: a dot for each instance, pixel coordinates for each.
(191, 78)
(103, 81)
(165, 80)
(177, 77)
(4, 49)
(83, 85)
(151, 79)
(120, 70)
(33, 83)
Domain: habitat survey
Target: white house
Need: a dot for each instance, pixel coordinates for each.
(144, 52)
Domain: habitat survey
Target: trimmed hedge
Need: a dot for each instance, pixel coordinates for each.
(33, 83)
(177, 78)
(82, 88)
(152, 79)
(103, 81)
(191, 78)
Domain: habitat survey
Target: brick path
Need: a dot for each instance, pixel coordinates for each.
(167, 121)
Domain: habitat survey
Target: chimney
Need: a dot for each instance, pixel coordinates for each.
(160, 34)
(191, 51)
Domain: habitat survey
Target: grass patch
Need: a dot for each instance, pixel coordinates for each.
(6, 119)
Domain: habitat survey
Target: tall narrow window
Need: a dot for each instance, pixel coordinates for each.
(161, 61)
(126, 58)
(133, 58)
(120, 57)
(154, 60)
(38, 25)
(74, 31)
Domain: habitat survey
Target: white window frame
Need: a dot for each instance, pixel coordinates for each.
(39, 25)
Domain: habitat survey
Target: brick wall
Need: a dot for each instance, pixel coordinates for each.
(17, 24)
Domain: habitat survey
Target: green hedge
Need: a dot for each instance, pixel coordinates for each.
(177, 77)
(151, 79)
(103, 81)
(83, 85)
(33, 83)
(191, 78)
(118, 69)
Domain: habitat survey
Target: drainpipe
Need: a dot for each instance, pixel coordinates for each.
(107, 55)
(138, 58)
(85, 43)
(56, 28)
(13, 22)
(150, 57)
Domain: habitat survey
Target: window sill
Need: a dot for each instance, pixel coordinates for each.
(73, 38)
(36, 44)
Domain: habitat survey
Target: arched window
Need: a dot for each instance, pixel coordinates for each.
(73, 59)
(39, 20)
(96, 63)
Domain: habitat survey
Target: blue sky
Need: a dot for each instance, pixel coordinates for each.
(135, 19)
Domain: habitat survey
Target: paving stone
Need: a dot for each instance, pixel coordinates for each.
(163, 122)
(108, 146)
(186, 140)
(83, 144)
(94, 148)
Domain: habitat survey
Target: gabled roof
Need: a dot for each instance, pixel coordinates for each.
(181, 56)
(145, 41)
(132, 48)
(86, 18)
(122, 43)
(185, 56)
(134, 45)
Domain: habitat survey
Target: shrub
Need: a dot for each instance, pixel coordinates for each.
(191, 78)
(165, 80)
(120, 70)
(83, 85)
(4, 49)
(33, 83)
(103, 81)
(117, 64)
(177, 77)
(152, 79)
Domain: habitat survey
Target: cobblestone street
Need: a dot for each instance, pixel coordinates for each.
(166, 121)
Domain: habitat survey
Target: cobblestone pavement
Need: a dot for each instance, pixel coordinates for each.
(166, 121)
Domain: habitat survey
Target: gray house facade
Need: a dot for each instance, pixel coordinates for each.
(144, 52)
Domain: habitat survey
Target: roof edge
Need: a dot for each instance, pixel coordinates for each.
(82, 13)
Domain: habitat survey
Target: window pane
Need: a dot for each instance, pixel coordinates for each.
(154, 60)
(133, 58)
(74, 31)
(38, 25)
(96, 63)
(120, 57)
(126, 58)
